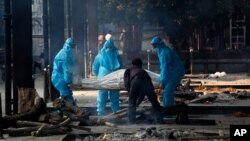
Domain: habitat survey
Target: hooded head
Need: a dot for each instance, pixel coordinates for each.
(67, 49)
(108, 45)
(109, 56)
(156, 41)
(70, 42)
(137, 62)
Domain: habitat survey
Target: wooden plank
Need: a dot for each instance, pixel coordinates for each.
(218, 82)
(195, 75)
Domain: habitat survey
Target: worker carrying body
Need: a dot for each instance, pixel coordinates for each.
(107, 61)
(62, 71)
(139, 84)
(172, 70)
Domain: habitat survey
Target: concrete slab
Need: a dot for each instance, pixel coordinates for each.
(88, 99)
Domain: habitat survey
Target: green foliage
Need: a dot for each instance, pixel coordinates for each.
(177, 16)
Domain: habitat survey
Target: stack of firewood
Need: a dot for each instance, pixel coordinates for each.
(35, 119)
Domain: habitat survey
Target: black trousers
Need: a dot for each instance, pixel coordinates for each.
(139, 88)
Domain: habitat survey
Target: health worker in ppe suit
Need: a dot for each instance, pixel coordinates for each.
(62, 71)
(107, 61)
(172, 70)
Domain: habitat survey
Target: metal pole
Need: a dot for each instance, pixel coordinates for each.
(8, 70)
(69, 17)
(85, 64)
(56, 37)
(22, 47)
(1, 128)
(45, 49)
(230, 34)
(191, 59)
(148, 55)
(90, 63)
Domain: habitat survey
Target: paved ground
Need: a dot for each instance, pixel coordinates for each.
(88, 98)
(30, 138)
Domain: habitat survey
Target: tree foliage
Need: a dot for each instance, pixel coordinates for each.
(179, 12)
(179, 17)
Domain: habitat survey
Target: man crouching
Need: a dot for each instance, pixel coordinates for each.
(138, 84)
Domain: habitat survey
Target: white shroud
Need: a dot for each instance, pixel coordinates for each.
(114, 81)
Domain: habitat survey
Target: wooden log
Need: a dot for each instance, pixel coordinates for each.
(80, 127)
(50, 127)
(34, 131)
(55, 131)
(41, 127)
(20, 130)
(32, 115)
(123, 113)
(38, 132)
(204, 98)
(110, 124)
(29, 123)
(26, 99)
(43, 131)
(118, 112)
(116, 116)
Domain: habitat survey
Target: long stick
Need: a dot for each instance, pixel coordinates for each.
(32, 123)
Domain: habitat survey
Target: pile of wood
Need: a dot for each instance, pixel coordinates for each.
(35, 119)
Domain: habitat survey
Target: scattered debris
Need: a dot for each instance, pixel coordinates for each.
(153, 133)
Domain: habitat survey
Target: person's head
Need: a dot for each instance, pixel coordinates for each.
(70, 42)
(108, 36)
(137, 62)
(155, 41)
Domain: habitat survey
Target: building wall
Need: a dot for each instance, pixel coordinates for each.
(37, 27)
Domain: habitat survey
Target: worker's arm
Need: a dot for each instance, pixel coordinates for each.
(126, 79)
(120, 61)
(96, 65)
(67, 72)
(165, 68)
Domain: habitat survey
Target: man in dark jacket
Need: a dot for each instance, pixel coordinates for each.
(138, 84)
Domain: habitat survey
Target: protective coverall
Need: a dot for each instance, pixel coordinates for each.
(172, 70)
(107, 61)
(62, 71)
